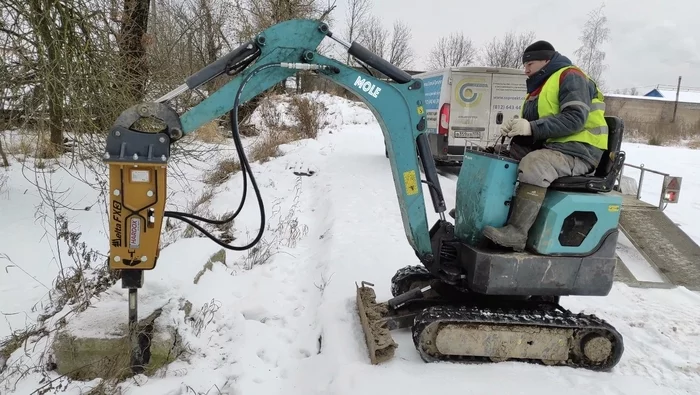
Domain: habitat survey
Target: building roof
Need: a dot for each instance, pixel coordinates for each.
(685, 96)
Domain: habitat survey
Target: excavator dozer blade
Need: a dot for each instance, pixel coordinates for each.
(380, 344)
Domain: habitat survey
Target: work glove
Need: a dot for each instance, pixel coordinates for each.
(516, 127)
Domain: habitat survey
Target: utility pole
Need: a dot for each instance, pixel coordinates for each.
(675, 105)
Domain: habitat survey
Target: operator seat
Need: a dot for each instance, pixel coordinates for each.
(603, 179)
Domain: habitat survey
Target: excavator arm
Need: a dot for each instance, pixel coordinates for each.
(138, 159)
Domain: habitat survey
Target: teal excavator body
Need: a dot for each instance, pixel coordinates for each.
(465, 300)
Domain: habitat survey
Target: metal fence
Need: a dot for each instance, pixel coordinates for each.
(642, 170)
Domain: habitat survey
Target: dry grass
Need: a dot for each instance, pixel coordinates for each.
(271, 116)
(200, 207)
(661, 133)
(210, 133)
(224, 169)
(309, 116)
(268, 146)
(15, 341)
(25, 144)
(694, 144)
(285, 233)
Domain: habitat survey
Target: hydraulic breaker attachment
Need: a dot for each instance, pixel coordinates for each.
(137, 164)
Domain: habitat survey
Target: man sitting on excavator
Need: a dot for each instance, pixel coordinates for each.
(562, 132)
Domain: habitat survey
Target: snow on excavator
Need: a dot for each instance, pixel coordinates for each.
(465, 301)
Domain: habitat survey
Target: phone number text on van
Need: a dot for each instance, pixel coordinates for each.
(507, 107)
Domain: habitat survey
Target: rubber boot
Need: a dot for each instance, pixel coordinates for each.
(526, 206)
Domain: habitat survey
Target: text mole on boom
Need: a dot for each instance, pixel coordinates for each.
(368, 87)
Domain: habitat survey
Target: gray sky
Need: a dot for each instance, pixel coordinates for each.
(649, 44)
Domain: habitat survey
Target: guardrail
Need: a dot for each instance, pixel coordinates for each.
(670, 188)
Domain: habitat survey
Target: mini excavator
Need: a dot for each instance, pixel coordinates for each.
(465, 300)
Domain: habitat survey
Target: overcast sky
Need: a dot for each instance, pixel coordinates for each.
(649, 44)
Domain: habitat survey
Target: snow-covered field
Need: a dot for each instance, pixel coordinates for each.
(289, 325)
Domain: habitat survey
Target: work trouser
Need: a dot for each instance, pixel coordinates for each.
(540, 166)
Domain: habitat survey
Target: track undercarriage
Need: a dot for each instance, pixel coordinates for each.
(454, 325)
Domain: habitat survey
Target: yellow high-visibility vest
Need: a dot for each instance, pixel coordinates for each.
(595, 130)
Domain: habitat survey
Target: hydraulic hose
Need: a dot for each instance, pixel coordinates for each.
(245, 167)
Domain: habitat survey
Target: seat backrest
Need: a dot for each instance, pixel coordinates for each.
(616, 128)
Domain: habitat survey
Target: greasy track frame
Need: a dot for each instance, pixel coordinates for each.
(586, 335)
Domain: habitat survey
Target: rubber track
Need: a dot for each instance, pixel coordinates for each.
(553, 318)
(417, 270)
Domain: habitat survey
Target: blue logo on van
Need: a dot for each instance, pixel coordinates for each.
(470, 91)
(432, 88)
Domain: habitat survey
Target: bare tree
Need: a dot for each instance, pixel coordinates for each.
(394, 46)
(58, 67)
(634, 91)
(508, 51)
(189, 35)
(134, 25)
(453, 50)
(375, 37)
(356, 21)
(594, 33)
(400, 52)
(254, 16)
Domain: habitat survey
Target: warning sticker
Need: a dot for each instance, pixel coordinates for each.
(140, 175)
(410, 180)
(614, 207)
(671, 189)
(673, 183)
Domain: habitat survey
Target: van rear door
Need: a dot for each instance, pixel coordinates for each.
(508, 93)
(469, 110)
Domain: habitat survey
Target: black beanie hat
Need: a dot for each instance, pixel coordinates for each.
(539, 50)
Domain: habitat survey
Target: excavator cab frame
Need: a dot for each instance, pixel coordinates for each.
(138, 160)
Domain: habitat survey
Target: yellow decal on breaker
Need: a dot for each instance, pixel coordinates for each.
(136, 200)
(420, 110)
(409, 179)
(613, 208)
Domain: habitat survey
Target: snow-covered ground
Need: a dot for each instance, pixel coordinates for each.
(289, 325)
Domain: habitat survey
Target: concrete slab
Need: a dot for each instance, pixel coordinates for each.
(86, 356)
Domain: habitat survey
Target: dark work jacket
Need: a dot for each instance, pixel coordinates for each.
(573, 87)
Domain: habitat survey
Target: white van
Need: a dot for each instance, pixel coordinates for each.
(470, 103)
